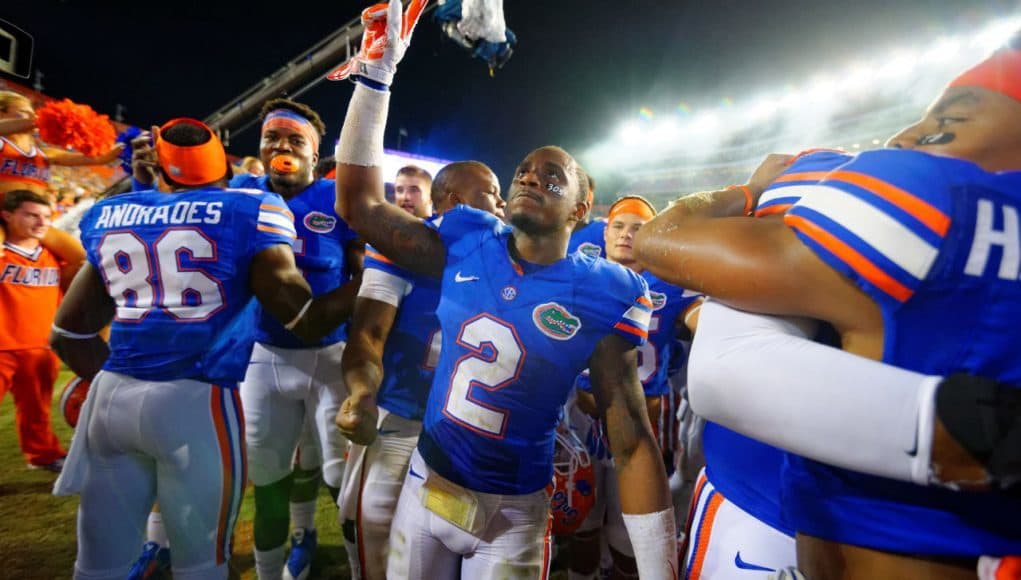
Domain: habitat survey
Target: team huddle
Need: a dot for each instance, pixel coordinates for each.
(471, 373)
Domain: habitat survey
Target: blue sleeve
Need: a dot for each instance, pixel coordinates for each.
(463, 228)
(245, 181)
(879, 220)
(86, 226)
(274, 223)
(629, 308)
(807, 169)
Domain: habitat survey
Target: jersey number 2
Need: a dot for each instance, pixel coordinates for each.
(494, 361)
(138, 283)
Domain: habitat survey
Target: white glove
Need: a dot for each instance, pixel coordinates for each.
(385, 39)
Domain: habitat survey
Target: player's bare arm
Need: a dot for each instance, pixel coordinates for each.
(360, 194)
(753, 264)
(618, 393)
(397, 234)
(362, 366)
(85, 310)
(284, 293)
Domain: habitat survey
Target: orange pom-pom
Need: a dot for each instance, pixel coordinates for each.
(68, 124)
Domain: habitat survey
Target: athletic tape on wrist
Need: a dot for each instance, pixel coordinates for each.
(361, 138)
(654, 539)
(73, 335)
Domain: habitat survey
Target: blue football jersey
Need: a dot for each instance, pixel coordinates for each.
(589, 239)
(745, 471)
(515, 336)
(412, 349)
(318, 252)
(805, 171)
(177, 266)
(669, 303)
(935, 242)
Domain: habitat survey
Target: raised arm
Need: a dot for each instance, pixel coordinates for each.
(284, 293)
(60, 157)
(645, 494)
(85, 310)
(360, 191)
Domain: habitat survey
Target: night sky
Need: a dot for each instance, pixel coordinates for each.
(579, 70)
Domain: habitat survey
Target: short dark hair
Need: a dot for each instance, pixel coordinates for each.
(415, 171)
(14, 198)
(186, 135)
(295, 107)
(444, 178)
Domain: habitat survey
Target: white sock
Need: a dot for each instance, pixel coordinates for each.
(303, 515)
(269, 564)
(154, 530)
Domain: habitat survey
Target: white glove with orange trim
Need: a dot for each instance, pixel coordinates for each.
(385, 40)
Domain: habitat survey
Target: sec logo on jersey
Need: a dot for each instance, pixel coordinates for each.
(555, 321)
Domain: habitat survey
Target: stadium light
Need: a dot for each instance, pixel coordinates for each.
(996, 34)
(631, 133)
(663, 131)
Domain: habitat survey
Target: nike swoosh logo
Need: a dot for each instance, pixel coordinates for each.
(388, 431)
(459, 278)
(746, 566)
(411, 471)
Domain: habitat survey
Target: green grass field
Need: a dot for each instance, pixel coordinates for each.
(37, 529)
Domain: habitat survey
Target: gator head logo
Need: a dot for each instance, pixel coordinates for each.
(590, 249)
(658, 300)
(555, 321)
(319, 222)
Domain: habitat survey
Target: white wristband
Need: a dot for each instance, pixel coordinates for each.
(361, 138)
(654, 539)
(301, 314)
(73, 335)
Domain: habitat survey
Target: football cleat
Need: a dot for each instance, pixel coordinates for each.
(153, 563)
(299, 562)
(574, 491)
(72, 398)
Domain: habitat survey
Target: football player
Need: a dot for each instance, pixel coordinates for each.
(177, 274)
(292, 388)
(412, 188)
(587, 235)
(879, 249)
(671, 306)
(392, 351)
(519, 319)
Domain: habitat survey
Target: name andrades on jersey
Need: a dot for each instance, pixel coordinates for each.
(986, 236)
(182, 212)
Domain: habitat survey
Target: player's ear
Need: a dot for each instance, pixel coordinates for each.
(581, 209)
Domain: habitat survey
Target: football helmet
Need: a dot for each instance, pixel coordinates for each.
(574, 491)
(72, 398)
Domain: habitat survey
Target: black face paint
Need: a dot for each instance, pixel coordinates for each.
(556, 189)
(936, 139)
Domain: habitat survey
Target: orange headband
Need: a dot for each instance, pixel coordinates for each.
(288, 119)
(192, 164)
(632, 205)
(1001, 72)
